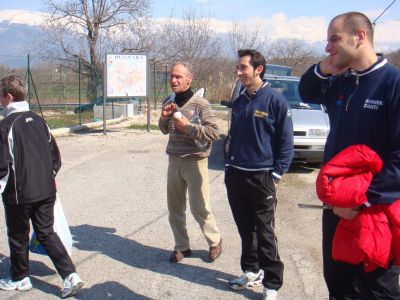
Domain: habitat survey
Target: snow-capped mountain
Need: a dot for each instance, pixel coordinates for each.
(21, 33)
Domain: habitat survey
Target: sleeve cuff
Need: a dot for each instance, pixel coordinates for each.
(276, 177)
(365, 205)
(317, 71)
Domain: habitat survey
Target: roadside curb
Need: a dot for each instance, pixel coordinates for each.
(77, 128)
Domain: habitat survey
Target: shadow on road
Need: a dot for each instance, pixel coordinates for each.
(104, 240)
(37, 268)
(109, 290)
(88, 130)
(301, 168)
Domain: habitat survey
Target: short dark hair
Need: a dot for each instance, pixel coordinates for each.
(256, 59)
(14, 85)
(354, 20)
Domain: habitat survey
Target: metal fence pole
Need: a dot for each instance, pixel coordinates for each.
(63, 89)
(166, 81)
(154, 85)
(28, 80)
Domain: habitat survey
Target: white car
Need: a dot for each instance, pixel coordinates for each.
(310, 121)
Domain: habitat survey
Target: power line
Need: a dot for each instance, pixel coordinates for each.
(374, 22)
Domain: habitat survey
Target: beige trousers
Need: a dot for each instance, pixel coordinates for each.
(192, 176)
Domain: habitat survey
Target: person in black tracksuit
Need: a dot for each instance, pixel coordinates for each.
(260, 150)
(361, 92)
(29, 162)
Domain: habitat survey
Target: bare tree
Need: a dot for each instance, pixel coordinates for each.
(81, 28)
(241, 37)
(291, 52)
(394, 58)
(190, 38)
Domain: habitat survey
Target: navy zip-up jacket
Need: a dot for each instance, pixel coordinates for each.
(261, 133)
(363, 108)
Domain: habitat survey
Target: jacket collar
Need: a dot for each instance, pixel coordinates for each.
(265, 83)
(378, 65)
(14, 107)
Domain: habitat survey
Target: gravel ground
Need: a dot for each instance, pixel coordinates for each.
(113, 190)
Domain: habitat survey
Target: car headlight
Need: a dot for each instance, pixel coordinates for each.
(318, 132)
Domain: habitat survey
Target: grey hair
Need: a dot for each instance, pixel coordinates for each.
(188, 66)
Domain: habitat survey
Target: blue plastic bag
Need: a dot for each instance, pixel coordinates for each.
(35, 246)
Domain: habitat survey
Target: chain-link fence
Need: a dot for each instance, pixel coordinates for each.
(64, 92)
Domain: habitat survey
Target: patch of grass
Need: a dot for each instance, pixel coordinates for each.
(60, 120)
(223, 108)
(143, 127)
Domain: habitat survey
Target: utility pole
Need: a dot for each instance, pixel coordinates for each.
(374, 22)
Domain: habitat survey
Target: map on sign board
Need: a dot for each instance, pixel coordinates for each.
(126, 75)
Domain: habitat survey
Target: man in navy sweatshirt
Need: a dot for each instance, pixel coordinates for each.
(260, 151)
(361, 92)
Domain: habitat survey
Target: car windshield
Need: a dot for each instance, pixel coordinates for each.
(290, 89)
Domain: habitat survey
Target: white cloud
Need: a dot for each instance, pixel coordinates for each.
(372, 14)
(313, 29)
(310, 29)
(387, 35)
(202, 1)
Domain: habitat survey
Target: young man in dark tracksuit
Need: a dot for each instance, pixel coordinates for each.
(361, 92)
(29, 162)
(260, 151)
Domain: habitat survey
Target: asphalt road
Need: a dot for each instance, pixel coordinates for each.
(112, 189)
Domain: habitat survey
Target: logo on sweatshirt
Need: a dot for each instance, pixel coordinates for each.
(339, 100)
(373, 104)
(260, 114)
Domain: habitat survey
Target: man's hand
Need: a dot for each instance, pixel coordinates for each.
(327, 68)
(346, 213)
(168, 110)
(181, 123)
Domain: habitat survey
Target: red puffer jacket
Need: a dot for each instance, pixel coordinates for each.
(373, 237)
(344, 180)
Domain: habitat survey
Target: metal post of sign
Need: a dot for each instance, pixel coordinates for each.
(147, 98)
(148, 114)
(104, 95)
(79, 90)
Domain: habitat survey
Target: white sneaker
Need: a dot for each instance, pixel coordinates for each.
(8, 285)
(72, 284)
(248, 279)
(269, 294)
